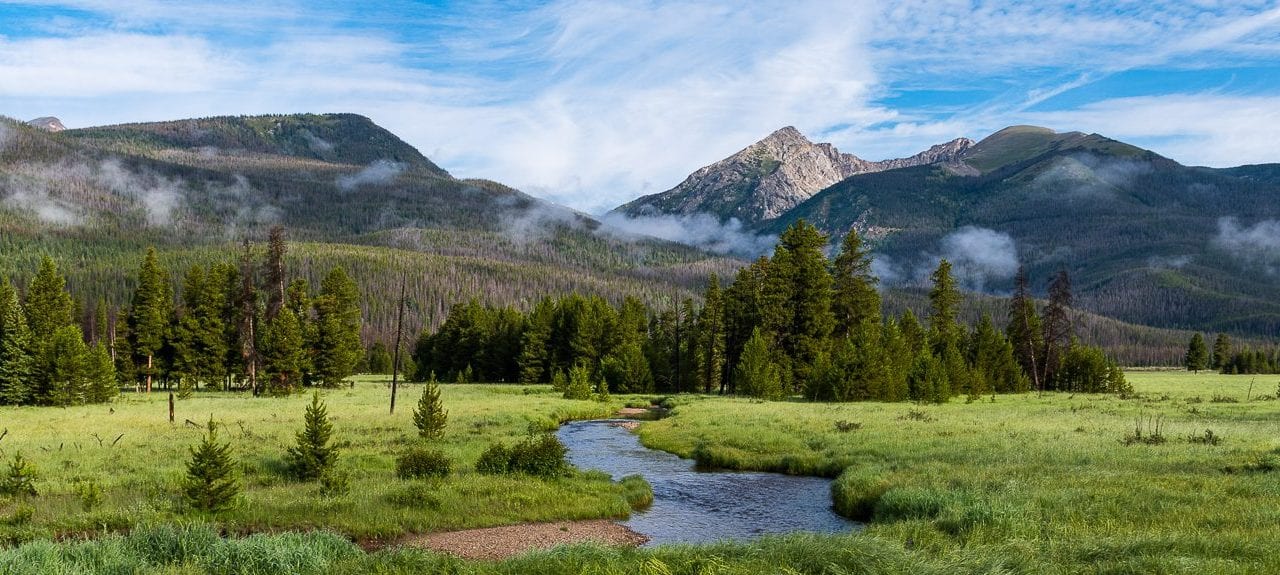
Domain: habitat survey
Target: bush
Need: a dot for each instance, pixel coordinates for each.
(334, 483)
(20, 480)
(422, 462)
(579, 385)
(857, 491)
(638, 492)
(540, 455)
(494, 460)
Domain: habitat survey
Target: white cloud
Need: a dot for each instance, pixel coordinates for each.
(979, 256)
(110, 64)
(1258, 244)
(701, 230)
(378, 172)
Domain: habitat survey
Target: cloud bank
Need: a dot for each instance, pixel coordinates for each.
(378, 172)
(1258, 244)
(701, 231)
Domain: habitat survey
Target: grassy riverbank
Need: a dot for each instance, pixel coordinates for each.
(136, 458)
(1067, 482)
(1021, 484)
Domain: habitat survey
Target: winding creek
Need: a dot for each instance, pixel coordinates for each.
(691, 506)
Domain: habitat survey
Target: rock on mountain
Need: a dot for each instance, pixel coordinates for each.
(48, 124)
(771, 176)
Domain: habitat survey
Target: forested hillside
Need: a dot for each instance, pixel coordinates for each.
(349, 193)
(1149, 241)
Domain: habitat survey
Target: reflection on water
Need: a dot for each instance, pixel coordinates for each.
(691, 506)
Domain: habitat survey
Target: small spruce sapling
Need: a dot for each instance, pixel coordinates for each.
(211, 483)
(430, 416)
(313, 457)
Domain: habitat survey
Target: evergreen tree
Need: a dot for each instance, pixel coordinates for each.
(897, 359)
(313, 456)
(711, 333)
(62, 369)
(16, 363)
(796, 308)
(283, 354)
(928, 380)
(1024, 330)
(1221, 351)
(149, 314)
(855, 299)
(276, 249)
(944, 306)
(378, 359)
(757, 374)
(579, 384)
(200, 335)
(211, 483)
(1057, 328)
(337, 328)
(535, 361)
(100, 374)
(742, 303)
(626, 370)
(48, 305)
(430, 416)
(1197, 356)
(246, 318)
(690, 334)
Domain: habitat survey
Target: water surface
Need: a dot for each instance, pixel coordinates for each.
(691, 506)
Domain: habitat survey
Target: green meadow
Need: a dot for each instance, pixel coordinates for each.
(1181, 477)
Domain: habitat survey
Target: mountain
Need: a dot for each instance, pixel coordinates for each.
(48, 124)
(1146, 239)
(348, 192)
(768, 178)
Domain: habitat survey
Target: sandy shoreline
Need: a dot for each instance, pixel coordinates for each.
(502, 542)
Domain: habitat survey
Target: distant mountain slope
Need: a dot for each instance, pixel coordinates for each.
(1147, 240)
(769, 177)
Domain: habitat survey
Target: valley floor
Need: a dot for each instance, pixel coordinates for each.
(1180, 478)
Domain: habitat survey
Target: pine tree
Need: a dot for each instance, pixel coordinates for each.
(742, 303)
(1221, 351)
(246, 318)
(535, 361)
(855, 299)
(944, 305)
(62, 370)
(430, 416)
(313, 456)
(579, 383)
(928, 380)
(100, 375)
(211, 483)
(796, 308)
(626, 369)
(757, 374)
(337, 329)
(1057, 328)
(711, 332)
(276, 248)
(16, 363)
(48, 305)
(1197, 356)
(379, 359)
(200, 335)
(283, 354)
(1024, 330)
(149, 314)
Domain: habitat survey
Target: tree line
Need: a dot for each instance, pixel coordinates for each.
(235, 325)
(1228, 359)
(794, 323)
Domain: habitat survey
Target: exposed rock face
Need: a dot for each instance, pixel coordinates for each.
(48, 124)
(771, 176)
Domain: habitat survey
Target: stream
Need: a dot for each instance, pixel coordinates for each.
(692, 506)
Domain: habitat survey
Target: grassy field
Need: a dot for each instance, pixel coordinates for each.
(139, 473)
(1057, 481)
(1019, 484)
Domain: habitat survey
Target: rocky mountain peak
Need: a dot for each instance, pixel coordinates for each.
(773, 175)
(48, 124)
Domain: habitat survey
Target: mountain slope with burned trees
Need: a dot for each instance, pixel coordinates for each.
(350, 194)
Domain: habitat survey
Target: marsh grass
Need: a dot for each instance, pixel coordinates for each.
(136, 477)
(1037, 481)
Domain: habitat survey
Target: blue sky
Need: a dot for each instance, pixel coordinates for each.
(593, 103)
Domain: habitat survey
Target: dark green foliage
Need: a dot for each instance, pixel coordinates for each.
(19, 479)
(419, 462)
(539, 455)
(149, 314)
(796, 299)
(378, 360)
(756, 374)
(430, 416)
(711, 334)
(1197, 357)
(313, 455)
(855, 299)
(283, 354)
(579, 385)
(944, 303)
(337, 329)
(1221, 351)
(1024, 331)
(200, 337)
(62, 372)
(494, 460)
(929, 381)
(626, 369)
(211, 483)
(1252, 361)
(16, 363)
(1087, 369)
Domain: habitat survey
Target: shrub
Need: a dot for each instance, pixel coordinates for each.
(857, 491)
(211, 482)
(494, 460)
(430, 416)
(20, 480)
(334, 482)
(90, 495)
(638, 492)
(540, 455)
(579, 385)
(313, 456)
(422, 462)
(1209, 438)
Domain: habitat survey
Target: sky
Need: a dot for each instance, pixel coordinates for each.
(591, 104)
